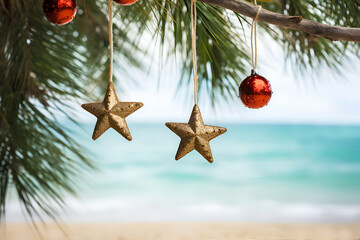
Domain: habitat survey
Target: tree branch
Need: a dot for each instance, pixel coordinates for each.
(332, 33)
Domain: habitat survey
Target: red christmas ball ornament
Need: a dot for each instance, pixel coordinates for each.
(59, 12)
(255, 91)
(125, 2)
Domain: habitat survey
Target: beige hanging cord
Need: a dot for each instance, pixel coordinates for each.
(254, 38)
(193, 41)
(110, 6)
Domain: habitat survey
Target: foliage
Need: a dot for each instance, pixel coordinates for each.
(310, 52)
(42, 67)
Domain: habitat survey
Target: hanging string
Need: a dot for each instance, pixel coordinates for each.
(254, 38)
(193, 43)
(110, 6)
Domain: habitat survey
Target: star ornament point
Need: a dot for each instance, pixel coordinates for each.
(195, 135)
(111, 113)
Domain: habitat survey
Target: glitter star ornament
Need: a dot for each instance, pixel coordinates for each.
(111, 113)
(195, 135)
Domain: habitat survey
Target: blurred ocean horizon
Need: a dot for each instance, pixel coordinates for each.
(261, 173)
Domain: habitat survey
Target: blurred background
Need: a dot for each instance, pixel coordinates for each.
(295, 160)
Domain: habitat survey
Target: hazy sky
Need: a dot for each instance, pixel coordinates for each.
(326, 99)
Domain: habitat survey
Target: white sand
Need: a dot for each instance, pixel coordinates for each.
(182, 231)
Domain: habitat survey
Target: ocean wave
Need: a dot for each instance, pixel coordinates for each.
(114, 209)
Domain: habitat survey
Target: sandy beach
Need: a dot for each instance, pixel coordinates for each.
(182, 231)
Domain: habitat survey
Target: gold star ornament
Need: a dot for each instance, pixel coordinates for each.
(111, 113)
(195, 135)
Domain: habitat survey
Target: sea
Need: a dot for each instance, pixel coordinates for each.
(261, 173)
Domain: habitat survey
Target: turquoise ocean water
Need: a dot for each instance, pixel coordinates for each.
(261, 173)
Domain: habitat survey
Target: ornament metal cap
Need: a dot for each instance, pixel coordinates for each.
(253, 72)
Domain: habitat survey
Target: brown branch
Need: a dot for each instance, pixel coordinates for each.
(332, 33)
